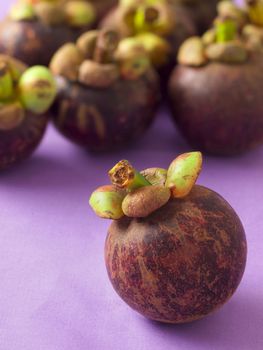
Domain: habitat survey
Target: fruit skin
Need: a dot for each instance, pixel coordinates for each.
(101, 119)
(202, 12)
(103, 6)
(20, 142)
(218, 107)
(34, 42)
(180, 263)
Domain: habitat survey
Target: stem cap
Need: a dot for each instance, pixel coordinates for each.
(145, 200)
(66, 61)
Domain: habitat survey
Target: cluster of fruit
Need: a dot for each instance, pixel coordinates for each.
(175, 251)
(105, 58)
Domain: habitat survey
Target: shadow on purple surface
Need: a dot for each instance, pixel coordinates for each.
(237, 326)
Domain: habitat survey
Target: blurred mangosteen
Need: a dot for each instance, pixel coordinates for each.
(215, 91)
(35, 29)
(157, 26)
(176, 251)
(25, 96)
(103, 102)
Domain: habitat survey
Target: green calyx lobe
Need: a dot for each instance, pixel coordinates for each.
(37, 89)
(12, 112)
(106, 201)
(138, 194)
(23, 89)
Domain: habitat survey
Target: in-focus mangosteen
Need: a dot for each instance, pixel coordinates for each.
(25, 96)
(103, 101)
(34, 30)
(176, 251)
(215, 91)
(158, 26)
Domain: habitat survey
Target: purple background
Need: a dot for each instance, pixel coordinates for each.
(54, 291)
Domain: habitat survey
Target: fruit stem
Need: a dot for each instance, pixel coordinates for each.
(144, 17)
(6, 82)
(255, 11)
(123, 175)
(226, 30)
(106, 45)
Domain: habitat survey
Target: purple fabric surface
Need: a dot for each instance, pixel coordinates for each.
(54, 290)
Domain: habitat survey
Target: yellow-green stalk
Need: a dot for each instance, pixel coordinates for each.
(6, 82)
(226, 30)
(124, 176)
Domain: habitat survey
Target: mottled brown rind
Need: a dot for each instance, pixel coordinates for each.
(219, 107)
(20, 142)
(101, 119)
(34, 42)
(180, 263)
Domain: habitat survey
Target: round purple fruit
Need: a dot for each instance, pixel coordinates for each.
(104, 100)
(176, 251)
(34, 30)
(215, 90)
(25, 96)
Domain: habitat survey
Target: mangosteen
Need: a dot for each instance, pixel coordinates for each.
(175, 251)
(25, 96)
(104, 101)
(158, 26)
(35, 29)
(215, 91)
